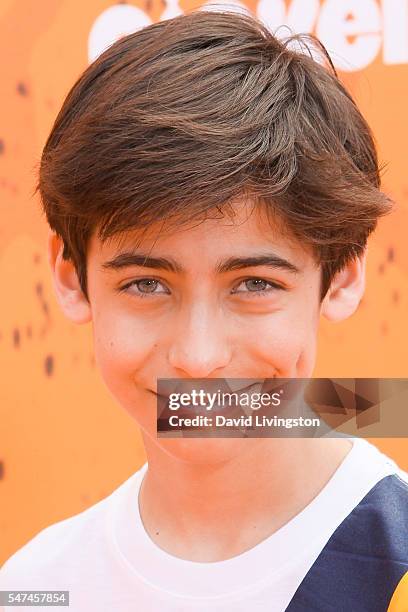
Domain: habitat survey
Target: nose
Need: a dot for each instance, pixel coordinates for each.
(200, 344)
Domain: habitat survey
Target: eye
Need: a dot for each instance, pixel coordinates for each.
(257, 286)
(144, 287)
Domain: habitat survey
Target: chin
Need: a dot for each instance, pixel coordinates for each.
(205, 451)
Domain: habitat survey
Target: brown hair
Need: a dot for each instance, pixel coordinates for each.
(187, 115)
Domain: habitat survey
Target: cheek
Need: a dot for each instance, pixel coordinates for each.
(287, 341)
(122, 346)
(122, 349)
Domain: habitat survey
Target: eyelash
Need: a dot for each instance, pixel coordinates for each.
(272, 287)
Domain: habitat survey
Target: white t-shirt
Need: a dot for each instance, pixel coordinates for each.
(106, 560)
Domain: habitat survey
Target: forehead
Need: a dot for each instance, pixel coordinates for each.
(243, 227)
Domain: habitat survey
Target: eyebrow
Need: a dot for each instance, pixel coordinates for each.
(125, 260)
(128, 259)
(270, 260)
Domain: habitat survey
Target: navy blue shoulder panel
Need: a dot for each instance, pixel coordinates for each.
(359, 568)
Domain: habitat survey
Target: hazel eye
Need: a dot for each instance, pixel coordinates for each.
(144, 287)
(147, 285)
(257, 285)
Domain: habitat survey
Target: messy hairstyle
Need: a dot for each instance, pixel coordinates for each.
(186, 116)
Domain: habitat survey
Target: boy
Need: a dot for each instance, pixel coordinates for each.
(210, 192)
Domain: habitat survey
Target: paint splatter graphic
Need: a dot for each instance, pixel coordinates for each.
(49, 365)
(22, 89)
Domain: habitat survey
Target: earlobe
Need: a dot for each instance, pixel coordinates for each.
(69, 294)
(346, 291)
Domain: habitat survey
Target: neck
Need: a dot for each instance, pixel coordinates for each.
(214, 511)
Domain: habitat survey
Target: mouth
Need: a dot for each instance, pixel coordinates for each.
(255, 386)
(158, 394)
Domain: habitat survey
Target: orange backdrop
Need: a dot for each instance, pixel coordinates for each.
(64, 443)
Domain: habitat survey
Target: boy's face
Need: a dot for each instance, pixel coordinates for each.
(228, 298)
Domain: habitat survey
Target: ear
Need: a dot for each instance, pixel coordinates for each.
(346, 291)
(69, 294)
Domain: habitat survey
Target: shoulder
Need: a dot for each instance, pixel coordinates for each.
(377, 527)
(380, 520)
(62, 549)
(363, 564)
